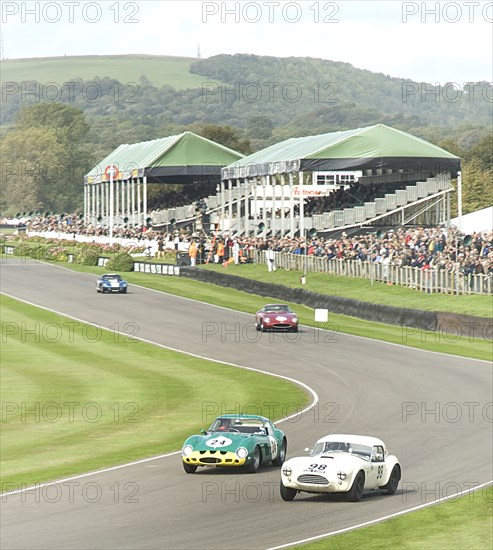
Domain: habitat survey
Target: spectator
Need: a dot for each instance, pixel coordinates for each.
(192, 253)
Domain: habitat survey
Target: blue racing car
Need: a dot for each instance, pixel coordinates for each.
(110, 282)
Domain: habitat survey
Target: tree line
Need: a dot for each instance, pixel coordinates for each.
(246, 102)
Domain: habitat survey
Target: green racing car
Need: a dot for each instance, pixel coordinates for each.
(235, 441)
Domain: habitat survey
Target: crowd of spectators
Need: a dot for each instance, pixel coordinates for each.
(422, 247)
(73, 224)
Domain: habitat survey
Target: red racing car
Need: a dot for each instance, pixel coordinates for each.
(276, 317)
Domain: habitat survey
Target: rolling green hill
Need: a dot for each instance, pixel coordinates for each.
(265, 98)
(160, 70)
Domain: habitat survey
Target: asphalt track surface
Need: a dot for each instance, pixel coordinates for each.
(433, 411)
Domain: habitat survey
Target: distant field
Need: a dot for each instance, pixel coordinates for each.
(160, 70)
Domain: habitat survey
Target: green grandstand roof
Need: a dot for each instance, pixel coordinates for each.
(376, 146)
(175, 159)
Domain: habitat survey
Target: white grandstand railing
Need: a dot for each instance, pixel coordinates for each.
(336, 219)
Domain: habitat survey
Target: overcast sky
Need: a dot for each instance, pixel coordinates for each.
(436, 42)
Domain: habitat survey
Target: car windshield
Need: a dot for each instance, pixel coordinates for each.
(246, 426)
(362, 451)
(277, 309)
(112, 277)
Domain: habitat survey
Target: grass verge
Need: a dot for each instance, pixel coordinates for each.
(464, 523)
(76, 398)
(363, 290)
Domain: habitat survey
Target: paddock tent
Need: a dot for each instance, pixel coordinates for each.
(376, 147)
(185, 158)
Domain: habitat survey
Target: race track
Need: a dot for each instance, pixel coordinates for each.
(433, 411)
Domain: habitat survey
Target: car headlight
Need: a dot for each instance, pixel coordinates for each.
(123, 283)
(295, 319)
(287, 471)
(267, 320)
(341, 475)
(242, 452)
(187, 450)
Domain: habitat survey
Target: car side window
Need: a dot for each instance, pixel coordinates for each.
(377, 454)
(269, 428)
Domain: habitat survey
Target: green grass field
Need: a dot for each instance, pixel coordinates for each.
(160, 70)
(83, 399)
(464, 523)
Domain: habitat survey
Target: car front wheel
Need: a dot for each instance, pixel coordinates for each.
(189, 468)
(391, 486)
(287, 493)
(356, 491)
(254, 465)
(281, 455)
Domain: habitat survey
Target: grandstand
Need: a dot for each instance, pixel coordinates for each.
(365, 178)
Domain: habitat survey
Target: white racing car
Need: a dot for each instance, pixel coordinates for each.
(341, 463)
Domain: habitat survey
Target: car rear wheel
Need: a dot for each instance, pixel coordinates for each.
(281, 455)
(287, 493)
(254, 465)
(189, 468)
(391, 486)
(356, 491)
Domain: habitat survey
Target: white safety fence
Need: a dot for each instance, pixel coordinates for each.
(425, 280)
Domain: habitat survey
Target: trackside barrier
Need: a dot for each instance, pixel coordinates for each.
(158, 269)
(472, 327)
(425, 280)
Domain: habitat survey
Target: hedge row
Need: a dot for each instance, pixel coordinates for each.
(61, 251)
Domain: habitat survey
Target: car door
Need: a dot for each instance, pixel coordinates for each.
(376, 470)
(271, 448)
